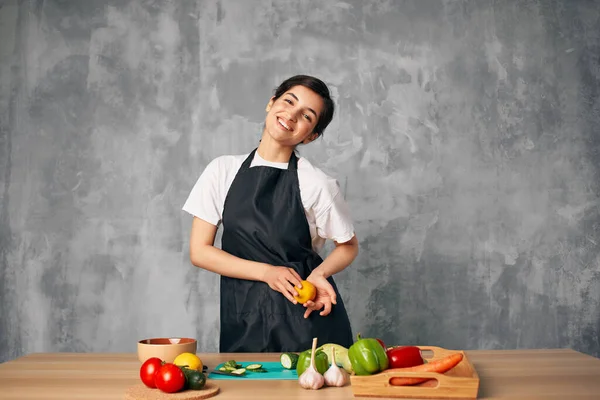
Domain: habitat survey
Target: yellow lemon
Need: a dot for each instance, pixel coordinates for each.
(189, 360)
(308, 292)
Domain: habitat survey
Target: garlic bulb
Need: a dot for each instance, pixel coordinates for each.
(335, 376)
(311, 378)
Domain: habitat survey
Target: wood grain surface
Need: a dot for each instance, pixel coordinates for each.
(141, 392)
(504, 374)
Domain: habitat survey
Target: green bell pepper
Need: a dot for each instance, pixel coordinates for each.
(321, 361)
(367, 356)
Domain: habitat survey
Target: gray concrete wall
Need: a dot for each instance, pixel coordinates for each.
(465, 139)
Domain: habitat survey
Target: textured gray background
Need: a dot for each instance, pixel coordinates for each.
(466, 141)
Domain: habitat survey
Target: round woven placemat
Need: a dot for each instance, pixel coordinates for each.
(141, 392)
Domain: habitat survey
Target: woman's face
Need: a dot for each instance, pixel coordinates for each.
(292, 117)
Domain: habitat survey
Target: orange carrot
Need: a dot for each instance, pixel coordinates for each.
(440, 366)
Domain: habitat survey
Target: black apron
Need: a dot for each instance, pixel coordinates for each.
(264, 221)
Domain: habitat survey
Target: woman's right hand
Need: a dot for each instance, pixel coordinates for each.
(283, 280)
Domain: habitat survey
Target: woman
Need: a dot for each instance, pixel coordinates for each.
(277, 210)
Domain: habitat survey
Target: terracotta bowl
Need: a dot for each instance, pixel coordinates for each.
(165, 348)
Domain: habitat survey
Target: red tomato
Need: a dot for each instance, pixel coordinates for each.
(170, 378)
(149, 369)
(404, 356)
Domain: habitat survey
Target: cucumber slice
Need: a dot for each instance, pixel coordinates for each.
(239, 371)
(232, 364)
(252, 367)
(289, 360)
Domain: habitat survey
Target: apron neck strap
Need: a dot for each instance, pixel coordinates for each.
(292, 164)
(248, 161)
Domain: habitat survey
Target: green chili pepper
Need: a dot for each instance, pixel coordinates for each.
(367, 356)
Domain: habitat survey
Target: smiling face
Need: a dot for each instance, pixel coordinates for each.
(292, 117)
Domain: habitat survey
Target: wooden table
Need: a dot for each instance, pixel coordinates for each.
(504, 374)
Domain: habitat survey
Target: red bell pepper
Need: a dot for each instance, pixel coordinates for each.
(404, 356)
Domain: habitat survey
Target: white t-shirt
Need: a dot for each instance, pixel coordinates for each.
(326, 210)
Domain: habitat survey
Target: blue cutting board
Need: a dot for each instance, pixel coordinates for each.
(274, 372)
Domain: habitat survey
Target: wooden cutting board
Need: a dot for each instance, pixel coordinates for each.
(461, 382)
(141, 392)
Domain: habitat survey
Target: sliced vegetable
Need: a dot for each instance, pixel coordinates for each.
(239, 371)
(228, 373)
(232, 364)
(289, 360)
(235, 368)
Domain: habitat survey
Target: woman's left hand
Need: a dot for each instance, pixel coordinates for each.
(325, 296)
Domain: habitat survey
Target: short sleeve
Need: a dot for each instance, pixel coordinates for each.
(332, 215)
(205, 201)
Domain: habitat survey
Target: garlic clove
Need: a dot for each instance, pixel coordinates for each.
(336, 376)
(311, 378)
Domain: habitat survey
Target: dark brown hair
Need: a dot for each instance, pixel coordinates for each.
(317, 86)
